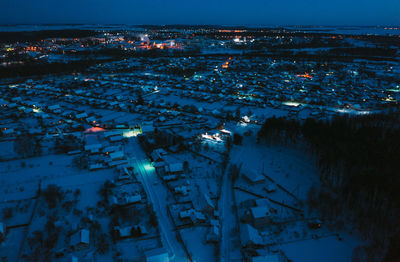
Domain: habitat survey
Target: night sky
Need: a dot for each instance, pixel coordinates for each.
(233, 12)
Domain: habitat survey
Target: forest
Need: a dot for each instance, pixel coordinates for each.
(358, 158)
(28, 36)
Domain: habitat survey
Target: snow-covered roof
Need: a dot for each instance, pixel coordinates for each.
(93, 147)
(155, 155)
(249, 235)
(82, 115)
(254, 176)
(116, 138)
(54, 107)
(80, 237)
(175, 167)
(117, 155)
(125, 231)
(259, 212)
(96, 166)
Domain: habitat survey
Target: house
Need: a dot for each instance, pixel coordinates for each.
(253, 177)
(112, 133)
(159, 164)
(147, 127)
(8, 131)
(117, 138)
(197, 217)
(185, 213)
(117, 155)
(193, 215)
(131, 231)
(270, 188)
(81, 115)
(74, 152)
(124, 174)
(96, 166)
(80, 239)
(126, 199)
(156, 255)
(55, 109)
(260, 215)
(184, 190)
(204, 204)
(119, 163)
(93, 148)
(175, 168)
(142, 230)
(170, 177)
(110, 149)
(124, 232)
(156, 156)
(214, 232)
(249, 236)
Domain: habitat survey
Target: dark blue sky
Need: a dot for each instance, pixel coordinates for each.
(247, 12)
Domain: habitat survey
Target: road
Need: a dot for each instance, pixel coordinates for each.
(157, 194)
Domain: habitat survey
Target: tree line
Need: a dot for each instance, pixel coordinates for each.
(359, 161)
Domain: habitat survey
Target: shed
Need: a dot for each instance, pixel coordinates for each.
(250, 236)
(253, 177)
(260, 215)
(175, 168)
(117, 155)
(80, 239)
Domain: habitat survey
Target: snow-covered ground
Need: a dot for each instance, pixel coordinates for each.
(328, 249)
(295, 172)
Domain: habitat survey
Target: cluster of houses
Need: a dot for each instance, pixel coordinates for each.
(205, 97)
(192, 207)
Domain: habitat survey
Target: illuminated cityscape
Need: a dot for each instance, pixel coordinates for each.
(198, 142)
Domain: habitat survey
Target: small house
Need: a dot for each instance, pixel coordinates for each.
(117, 155)
(175, 168)
(205, 204)
(260, 215)
(250, 236)
(80, 239)
(156, 156)
(253, 177)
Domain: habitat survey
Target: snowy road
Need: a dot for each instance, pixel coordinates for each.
(158, 196)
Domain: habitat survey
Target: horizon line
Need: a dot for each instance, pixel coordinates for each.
(194, 24)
